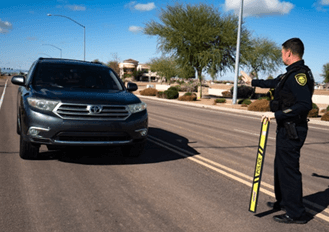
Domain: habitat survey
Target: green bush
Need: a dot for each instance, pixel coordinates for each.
(314, 106)
(244, 91)
(244, 101)
(171, 93)
(173, 88)
(327, 108)
(188, 94)
(220, 100)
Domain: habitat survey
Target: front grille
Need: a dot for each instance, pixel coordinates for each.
(89, 138)
(85, 112)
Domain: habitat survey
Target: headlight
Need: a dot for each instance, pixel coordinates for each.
(42, 104)
(137, 107)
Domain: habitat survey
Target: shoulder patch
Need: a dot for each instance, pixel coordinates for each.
(301, 79)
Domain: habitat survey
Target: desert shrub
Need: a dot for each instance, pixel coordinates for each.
(314, 112)
(259, 105)
(244, 91)
(323, 111)
(220, 100)
(160, 94)
(189, 87)
(171, 93)
(149, 92)
(327, 108)
(188, 97)
(244, 101)
(325, 117)
(227, 94)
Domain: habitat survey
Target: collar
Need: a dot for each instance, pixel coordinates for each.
(298, 63)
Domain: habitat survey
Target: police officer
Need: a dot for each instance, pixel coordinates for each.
(290, 106)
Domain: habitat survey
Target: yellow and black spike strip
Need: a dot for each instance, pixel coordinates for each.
(259, 165)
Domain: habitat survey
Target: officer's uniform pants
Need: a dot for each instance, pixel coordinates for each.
(287, 177)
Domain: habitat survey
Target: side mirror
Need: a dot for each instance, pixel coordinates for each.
(18, 80)
(131, 87)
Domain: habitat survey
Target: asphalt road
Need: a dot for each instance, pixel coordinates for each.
(195, 175)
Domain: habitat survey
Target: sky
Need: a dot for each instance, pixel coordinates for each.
(113, 29)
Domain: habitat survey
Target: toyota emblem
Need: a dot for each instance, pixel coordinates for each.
(95, 109)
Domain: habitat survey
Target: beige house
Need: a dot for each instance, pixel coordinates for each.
(127, 68)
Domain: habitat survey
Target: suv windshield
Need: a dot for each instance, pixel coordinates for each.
(75, 76)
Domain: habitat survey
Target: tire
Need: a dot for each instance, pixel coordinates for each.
(134, 150)
(18, 129)
(27, 150)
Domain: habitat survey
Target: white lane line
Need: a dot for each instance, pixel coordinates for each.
(196, 158)
(190, 154)
(3, 94)
(250, 133)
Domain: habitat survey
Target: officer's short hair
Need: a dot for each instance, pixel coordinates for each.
(295, 45)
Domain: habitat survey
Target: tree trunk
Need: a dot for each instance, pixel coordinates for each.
(200, 81)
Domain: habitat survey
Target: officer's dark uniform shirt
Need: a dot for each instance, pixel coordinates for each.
(297, 85)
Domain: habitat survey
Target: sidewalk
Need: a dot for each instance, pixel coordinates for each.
(208, 104)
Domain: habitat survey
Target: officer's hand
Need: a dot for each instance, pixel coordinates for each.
(268, 116)
(247, 79)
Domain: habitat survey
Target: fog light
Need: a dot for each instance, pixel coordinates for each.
(142, 132)
(35, 131)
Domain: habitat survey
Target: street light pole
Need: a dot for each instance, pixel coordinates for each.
(54, 47)
(237, 57)
(84, 33)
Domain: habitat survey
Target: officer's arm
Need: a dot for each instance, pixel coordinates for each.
(265, 83)
(303, 98)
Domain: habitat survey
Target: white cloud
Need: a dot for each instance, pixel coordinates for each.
(260, 7)
(321, 5)
(324, 2)
(145, 7)
(5, 26)
(130, 5)
(135, 29)
(133, 5)
(76, 7)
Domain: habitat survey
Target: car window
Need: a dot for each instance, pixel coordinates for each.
(76, 76)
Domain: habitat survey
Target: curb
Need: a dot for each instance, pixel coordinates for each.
(316, 121)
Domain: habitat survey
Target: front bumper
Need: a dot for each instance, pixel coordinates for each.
(40, 128)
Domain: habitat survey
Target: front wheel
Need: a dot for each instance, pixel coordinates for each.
(134, 150)
(27, 150)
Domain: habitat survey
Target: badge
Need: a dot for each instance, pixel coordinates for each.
(301, 79)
